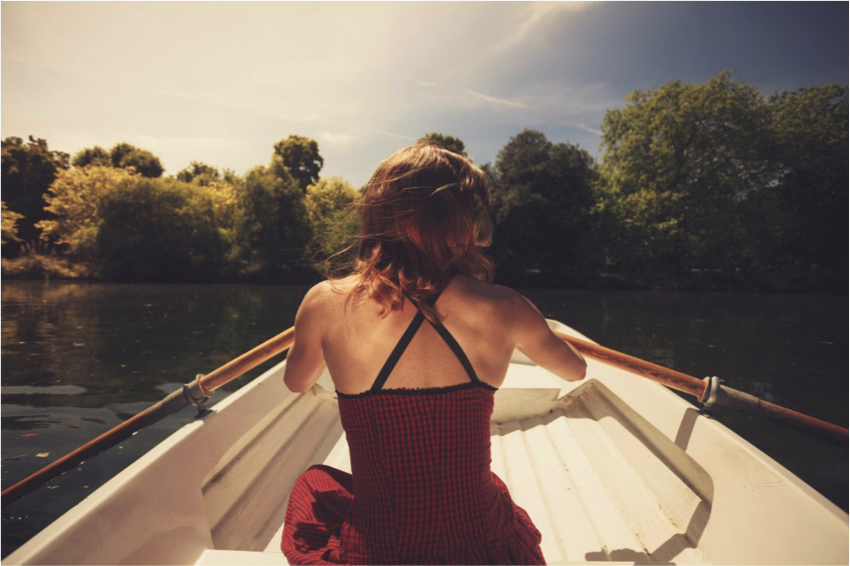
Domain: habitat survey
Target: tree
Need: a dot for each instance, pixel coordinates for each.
(9, 227)
(327, 197)
(124, 155)
(809, 130)
(95, 155)
(74, 199)
(542, 199)
(299, 156)
(681, 164)
(330, 206)
(198, 173)
(28, 169)
(451, 143)
(274, 225)
(225, 200)
(121, 156)
(159, 230)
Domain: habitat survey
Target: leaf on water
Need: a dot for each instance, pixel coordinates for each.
(42, 455)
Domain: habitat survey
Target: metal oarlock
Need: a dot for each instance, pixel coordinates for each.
(709, 396)
(195, 394)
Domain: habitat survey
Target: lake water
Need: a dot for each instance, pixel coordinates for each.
(79, 358)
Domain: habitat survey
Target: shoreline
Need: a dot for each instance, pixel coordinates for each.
(808, 283)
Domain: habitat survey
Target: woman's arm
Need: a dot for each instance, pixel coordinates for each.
(535, 339)
(305, 361)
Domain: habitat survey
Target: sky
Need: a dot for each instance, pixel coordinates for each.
(221, 82)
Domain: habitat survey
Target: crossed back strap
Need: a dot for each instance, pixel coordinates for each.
(404, 342)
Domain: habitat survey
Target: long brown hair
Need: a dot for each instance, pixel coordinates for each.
(424, 217)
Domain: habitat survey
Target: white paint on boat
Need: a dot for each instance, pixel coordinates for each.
(611, 469)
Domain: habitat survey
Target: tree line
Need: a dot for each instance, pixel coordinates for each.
(712, 186)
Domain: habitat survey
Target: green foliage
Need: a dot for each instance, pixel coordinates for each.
(542, 199)
(330, 205)
(682, 162)
(716, 176)
(36, 262)
(9, 224)
(159, 230)
(124, 155)
(74, 198)
(199, 174)
(31, 265)
(299, 156)
(810, 144)
(449, 142)
(28, 169)
(274, 223)
(328, 196)
(95, 155)
(230, 176)
(225, 200)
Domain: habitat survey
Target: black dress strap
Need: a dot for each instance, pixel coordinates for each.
(398, 351)
(404, 342)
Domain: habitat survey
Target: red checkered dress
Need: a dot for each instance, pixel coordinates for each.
(421, 490)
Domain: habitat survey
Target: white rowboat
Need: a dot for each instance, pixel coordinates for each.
(614, 468)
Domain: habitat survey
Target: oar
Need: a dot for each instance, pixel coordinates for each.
(710, 392)
(194, 393)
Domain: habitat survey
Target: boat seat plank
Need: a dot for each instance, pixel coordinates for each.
(575, 533)
(638, 504)
(518, 471)
(601, 511)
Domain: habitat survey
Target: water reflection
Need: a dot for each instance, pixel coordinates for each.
(50, 390)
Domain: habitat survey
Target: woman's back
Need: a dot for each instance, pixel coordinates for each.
(357, 339)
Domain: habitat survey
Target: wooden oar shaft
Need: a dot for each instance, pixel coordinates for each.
(752, 405)
(247, 361)
(671, 378)
(171, 404)
(726, 396)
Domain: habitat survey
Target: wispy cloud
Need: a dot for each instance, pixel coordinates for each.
(495, 100)
(538, 12)
(341, 139)
(588, 129)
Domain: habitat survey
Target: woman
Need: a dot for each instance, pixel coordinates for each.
(420, 313)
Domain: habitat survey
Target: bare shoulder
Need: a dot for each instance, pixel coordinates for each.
(316, 303)
(495, 303)
(317, 295)
(498, 296)
(483, 291)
